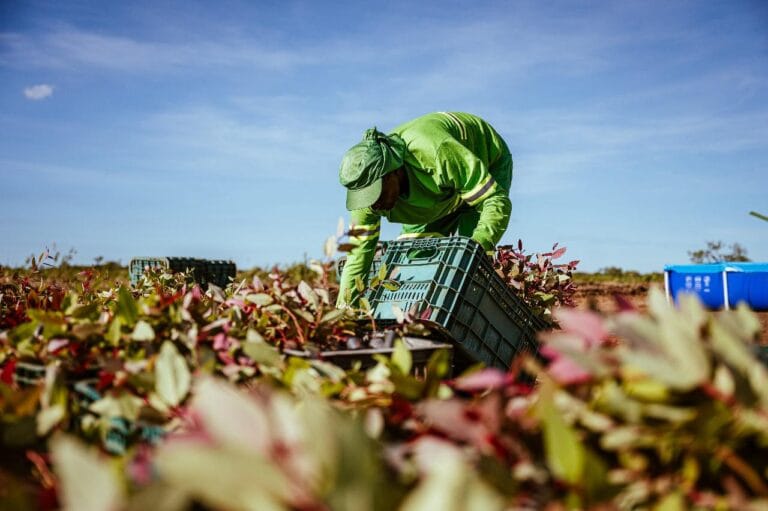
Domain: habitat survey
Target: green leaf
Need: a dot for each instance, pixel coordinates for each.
(23, 332)
(672, 502)
(390, 285)
(124, 405)
(365, 304)
(172, 377)
(114, 334)
(89, 311)
(262, 353)
(224, 478)
(253, 336)
(143, 332)
(53, 322)
(563, 449)
(450, 484)
(382, 272)
(359, 284)
(438, 367)
(49, 417)
(333, 315)
(127, 307)
(401, 357)
(260, 299)
(86, 481)
(304, 314)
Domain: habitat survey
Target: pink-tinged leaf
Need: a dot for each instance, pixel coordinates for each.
(542, 261)
(549, 352)
(490, 378)
(586, 324)
(559, 252)
(566, 372)
(220, 342)
(140, 467)
(474, 423)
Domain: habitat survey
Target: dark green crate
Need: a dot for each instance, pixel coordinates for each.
(202, 271)
(451, 282)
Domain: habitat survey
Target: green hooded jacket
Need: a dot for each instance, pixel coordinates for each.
(454, 162)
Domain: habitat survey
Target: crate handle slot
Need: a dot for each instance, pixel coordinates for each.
(421, 253)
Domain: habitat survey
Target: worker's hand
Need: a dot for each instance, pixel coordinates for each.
(486, 244)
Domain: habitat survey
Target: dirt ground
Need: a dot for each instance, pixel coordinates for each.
(602, 297)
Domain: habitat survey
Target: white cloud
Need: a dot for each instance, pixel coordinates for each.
(38, 92)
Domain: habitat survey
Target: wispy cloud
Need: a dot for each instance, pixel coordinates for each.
(38, 92)
(69, 47)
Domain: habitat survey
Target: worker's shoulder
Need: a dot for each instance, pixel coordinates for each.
(435, 122)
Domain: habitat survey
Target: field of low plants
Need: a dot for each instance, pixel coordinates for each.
(170, 396)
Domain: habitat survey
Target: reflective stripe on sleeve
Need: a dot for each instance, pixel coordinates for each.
(480, 192)
(364, 232)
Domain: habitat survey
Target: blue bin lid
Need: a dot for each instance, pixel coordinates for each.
(718, 267)
(695, 268)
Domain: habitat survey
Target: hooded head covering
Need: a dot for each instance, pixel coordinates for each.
(366, 163)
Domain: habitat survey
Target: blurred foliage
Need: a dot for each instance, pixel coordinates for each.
(168, 396)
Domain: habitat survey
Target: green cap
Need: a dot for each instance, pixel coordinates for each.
(366, 163)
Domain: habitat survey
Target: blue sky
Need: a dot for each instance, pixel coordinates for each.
(639, 130)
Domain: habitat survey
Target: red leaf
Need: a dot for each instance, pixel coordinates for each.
(7, 375)
(558, 253)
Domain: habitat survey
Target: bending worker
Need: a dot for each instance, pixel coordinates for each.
(440, 174)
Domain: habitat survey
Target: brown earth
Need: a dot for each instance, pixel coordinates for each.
(603, 297)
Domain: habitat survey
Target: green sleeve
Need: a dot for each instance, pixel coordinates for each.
(365, 226)
(478, 189)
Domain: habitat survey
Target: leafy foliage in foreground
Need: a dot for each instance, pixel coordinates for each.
(169, 395)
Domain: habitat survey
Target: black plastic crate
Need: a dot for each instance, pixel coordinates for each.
(451, 282)
(202, 271)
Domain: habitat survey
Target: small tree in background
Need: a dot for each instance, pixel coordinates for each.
(717, 251)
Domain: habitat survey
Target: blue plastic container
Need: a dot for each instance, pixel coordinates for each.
(720, 285)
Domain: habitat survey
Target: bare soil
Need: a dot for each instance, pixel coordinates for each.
(612, 296)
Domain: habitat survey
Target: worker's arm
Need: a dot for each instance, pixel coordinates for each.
(478, 189)
(365, 226)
